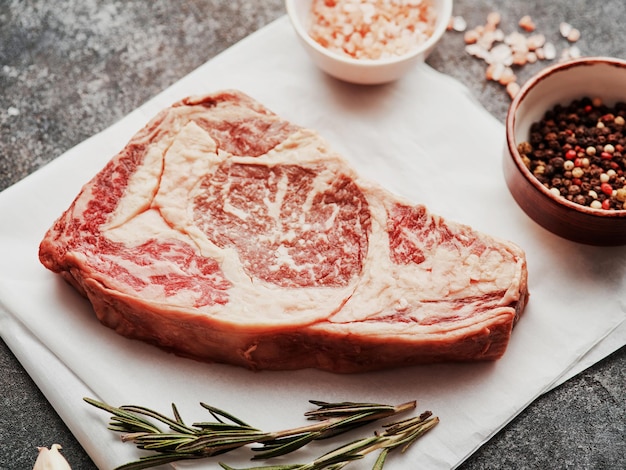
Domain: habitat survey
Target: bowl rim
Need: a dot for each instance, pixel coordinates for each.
(512, 144)
(441, 27)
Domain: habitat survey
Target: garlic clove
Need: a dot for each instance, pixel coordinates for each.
(51, 459)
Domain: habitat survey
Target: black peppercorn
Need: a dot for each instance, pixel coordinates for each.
(557, 162)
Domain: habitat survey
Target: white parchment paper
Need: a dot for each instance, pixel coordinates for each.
(423, 137)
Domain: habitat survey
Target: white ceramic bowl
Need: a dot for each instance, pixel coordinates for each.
(364, 71)
(593, 77)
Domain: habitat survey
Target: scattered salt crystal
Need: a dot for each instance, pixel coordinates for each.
(516, 41)
(471, 36)
(500, 54)
(494, 71)
(574, 35)
(13, 111)
(565, 29)
(476, 51)
(540, 54)
(458, 24)
(512, 89)
(508, 76)
(526, 23)
(494, 18)
(572, 52)
(486, 40)
(549, 51)
(520, 58)
(535, 41)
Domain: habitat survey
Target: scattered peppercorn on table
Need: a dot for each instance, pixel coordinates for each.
(68, 70)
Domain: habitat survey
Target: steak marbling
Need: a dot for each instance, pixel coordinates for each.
(225, 233)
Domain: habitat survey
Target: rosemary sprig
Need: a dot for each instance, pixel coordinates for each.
(226, 433)
(399, 434)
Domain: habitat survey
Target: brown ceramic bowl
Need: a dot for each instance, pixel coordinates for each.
(591, 77)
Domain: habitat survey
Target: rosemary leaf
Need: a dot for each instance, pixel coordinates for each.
(351, 449)
(270, 467)
(208, 445)
(161, 442)
(360, 419)
(177, 416)
(124, 417)
(380, 461)
(283, 446)
(216, 412)
(154, 461)
(174, 425)
(221, 427)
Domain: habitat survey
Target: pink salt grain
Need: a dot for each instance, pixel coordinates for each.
(565, 29)
(574, 35)
(373, 29)
(526, 23)
(458, 24)
(512, 89)
(508, 76)
(494, 18)
(494, 71)
(471, 36)
(535, 41)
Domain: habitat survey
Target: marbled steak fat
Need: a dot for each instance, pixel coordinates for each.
(225, 233)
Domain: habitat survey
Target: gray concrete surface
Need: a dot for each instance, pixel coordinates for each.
(70, 68)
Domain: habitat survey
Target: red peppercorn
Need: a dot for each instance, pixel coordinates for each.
(578, 162)
(606, 188)
(606, 204)
(571, 154)
(606, 156)
(588, 108)
(577, 181)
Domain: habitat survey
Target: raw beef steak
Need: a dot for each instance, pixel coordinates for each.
(225, 233)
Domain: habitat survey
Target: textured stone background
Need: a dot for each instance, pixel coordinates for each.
(69, 69)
